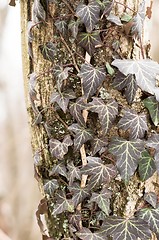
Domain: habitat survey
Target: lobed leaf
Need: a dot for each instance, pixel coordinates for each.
(59, 149)
(61, 74)
(136, 123)
(153, 141)
(114, 19)
(86, 234)
(48, 50)
(97, 144)
(39, 13)
(126, 229)
(88, 14)
(127, 154)
(79, 194)
(61, 25)
(82, 135)
(106, 112)
(153, 107)
(73, 27)
(151, 198)
(59, 169)
(99, 172)
(128, 83)
(89, 41)
(76, 110)
(74, 173)
(146, 166)
(145, 71)
(50, 186)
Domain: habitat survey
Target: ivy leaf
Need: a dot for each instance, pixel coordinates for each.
(114, 19)
(74, 173)
(108, 5)
(89, 14)
(136, 123)
(156, 159)
(89, 41)
(62, 99)
(127, 154)
(82, 135)
(86, 234)
(61, 74)
(138, 21)
(39, 13)
(59, 149)
(106, 112)
(92, 78)
(103, 200)
(97, 144)
(99, 172)
(151, 217)
(59, 169)
(146, 166)
(151, 198)
(153, 107)
(75, 219)
(48, 51)
(50, 186)
(79, 194)
(61, 25)
(62, 204)
(145, 71)
(73, 27)
(32, 84)
(153, 141)
(76, 110)
(128, 83)
(124, 229)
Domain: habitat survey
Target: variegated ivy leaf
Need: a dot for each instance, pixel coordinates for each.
(61, 25)
(99, 172)
(75, 219)
(127, 154)
(108, 5)
(62, 99)
(153, 141)
(97, 144)
(76, 110)
(128, 83)
(32, 84)
(62, 204)
(39, 13)
(48, 50)
(73, 173)
(151, 217)
(60, 74)
(82, 135)
(136, 123)
(89, 14)
(151, 198)
(59, 169)
(86, 234)
(73, 27)
(103, 200)
(146, 166)
(79, 194)
(59, 149)
(138, 21)
(156, 159)
(106, 112)
(126, 229)
(50, 186)
(153, 107)
(145, 71)
(114, 19)
(89, 41)
(92, 78)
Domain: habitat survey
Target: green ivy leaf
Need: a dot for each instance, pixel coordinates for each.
(126, 229)
(136, 123)
(153, 107)
(89, 14)
(61, 25)
(110, 70)
(50, 186)
(146, 166)
(59, 169)
(73, 173)
(89, 41)
(127, 154)
(98, 171)
(151, 217)
(106, 112)
(48, 50)
(59, 149)
(145, 71)
(103, 200)
(73, 27)
(114, 19)
(86, 234)
(151, 198)
(79, 194)
(82, 135)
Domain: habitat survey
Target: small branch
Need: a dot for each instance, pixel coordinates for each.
(68, 5)
(124, 5)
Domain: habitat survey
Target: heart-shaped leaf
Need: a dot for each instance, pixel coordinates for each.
(50, 186)
(153, 107)
(92, 78)
(59, 149)
(79, 194)
(127, 154)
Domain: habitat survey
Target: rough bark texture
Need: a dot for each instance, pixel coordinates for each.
(126, 198)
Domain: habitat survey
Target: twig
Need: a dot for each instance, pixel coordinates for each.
(68, 5)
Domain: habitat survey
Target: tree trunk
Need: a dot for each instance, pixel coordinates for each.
(51, 46)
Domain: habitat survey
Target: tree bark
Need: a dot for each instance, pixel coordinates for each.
(53, 124)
